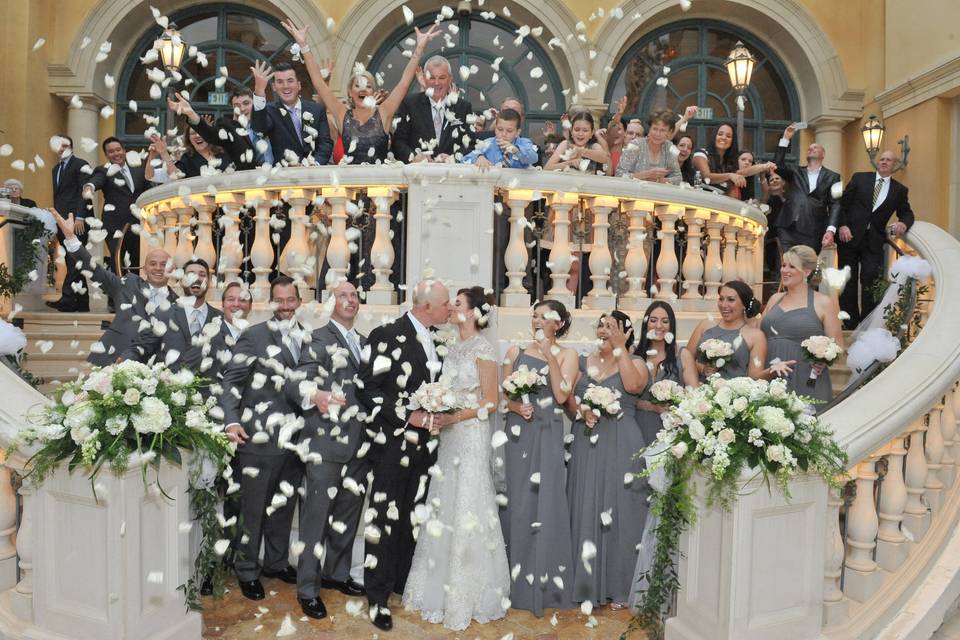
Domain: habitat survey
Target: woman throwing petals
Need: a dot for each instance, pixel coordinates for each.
(364, 125)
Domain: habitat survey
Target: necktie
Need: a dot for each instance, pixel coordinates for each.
(60, 168)
(195, 325)
(354, 345)
(437, 121)
(155, 297)
(128, 177)
(292, 345)
(297, 124)
(876, 191)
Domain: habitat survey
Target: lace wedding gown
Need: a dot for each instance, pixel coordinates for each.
(459, 572)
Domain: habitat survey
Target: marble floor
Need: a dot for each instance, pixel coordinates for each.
(236, 618)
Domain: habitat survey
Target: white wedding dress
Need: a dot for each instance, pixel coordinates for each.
(459, 572)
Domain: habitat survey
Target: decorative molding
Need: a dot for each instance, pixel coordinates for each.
(935, 81)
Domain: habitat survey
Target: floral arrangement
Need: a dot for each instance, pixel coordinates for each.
(723, 429)
(715, 352)
(602, 401)
(131, 415)
(666, 392)
(435, 397)
(819, 350)
(523, 383)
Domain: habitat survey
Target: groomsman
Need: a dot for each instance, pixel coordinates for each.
(68, 178)
(246, 148)
(236, 303)
(121, 185)
(136, 298)
(402, 357)
(176, 334)
(336, 478)
(865, 208)
(263, 423)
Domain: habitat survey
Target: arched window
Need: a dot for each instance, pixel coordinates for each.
(694, 52)
(231, 36)
(472, 41)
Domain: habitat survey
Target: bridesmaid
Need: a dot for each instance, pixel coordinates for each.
(737, 306)
(536, 518)
(795, 314)
(604, 509)
(659, 349)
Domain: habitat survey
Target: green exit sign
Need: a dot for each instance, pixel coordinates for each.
(218, 98)
(704, 113)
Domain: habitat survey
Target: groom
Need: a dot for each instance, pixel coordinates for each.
(402, 357)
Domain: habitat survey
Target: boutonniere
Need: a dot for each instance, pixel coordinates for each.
(443, 340)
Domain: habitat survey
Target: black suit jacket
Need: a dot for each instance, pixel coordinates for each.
(810, 212)
(275, 122)
(117, 193)
(236, 145)
(387, 385)
(68, 187)
(866, 225)
(415, 133)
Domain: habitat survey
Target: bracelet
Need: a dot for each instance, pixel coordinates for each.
(305, 49)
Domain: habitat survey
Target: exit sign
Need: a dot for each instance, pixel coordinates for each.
(218, 98)
(704, 113)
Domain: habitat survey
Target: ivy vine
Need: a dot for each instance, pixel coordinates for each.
(28, 247)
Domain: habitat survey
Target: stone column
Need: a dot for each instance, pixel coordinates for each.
(829, 133)
(601, 260)
(916, 519)
(338, 251)
(262, 251)
(635, 263)
(561, 254)
(693, 267)
(515, 258)
(862, 578)
(381, 253)
(667, 265)
(892, 547)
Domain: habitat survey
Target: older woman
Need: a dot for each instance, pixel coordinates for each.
(15, 193)
(654, 157)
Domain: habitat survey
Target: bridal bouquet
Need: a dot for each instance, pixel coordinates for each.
(523, 383)
(666, 392)
(435, 397)
(602, 401)
(819, 350)
(130, 415)
(715, 352)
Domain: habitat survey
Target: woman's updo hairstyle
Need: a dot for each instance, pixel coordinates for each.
(478, 300)
(751, 306)
(565, 319)
(624, 321)
(804, 258)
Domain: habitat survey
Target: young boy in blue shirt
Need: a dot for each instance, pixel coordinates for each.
(506, 148)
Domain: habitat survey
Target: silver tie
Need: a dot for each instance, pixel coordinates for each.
(437, 121)
(195, 326)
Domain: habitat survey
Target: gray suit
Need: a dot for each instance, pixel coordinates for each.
(253, 396)
(336, 443)
(176, 338)
(130, 302)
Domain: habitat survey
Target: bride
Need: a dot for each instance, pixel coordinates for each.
(459, 571)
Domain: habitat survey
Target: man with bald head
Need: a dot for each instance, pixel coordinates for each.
(136, 297)
(809, 207)
(402, 356)
(865, 208)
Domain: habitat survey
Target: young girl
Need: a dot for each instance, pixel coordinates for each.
(582, 152)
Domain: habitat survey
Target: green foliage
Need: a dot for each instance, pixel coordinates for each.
(28, 246)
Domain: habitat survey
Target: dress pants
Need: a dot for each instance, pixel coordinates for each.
(866, 265)
(256, 494)
(67, 294)
(317, 511)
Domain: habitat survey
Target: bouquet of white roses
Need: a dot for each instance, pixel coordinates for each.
(819, 350)
(715, 352)
(523, 383)
(131, 415)
(666, 392)
(435, 397)
(602, 401)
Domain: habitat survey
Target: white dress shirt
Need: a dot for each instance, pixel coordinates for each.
(812, 177)
(425, 338)
(350, 336)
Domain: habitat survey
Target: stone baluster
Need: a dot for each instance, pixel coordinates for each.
(635, 263)
(169, 213)
(954, 399)
(948, 426)
(862, 579)
(515, 258)
(184, 252)
(21, 598)
(693, 267)
(205, 250)
(834, 604)
(892, 547)
(601, 260)
(757, 262)
(934, 449)
(916, 519)
(231, 251)
(667, 264)
(729, 271)
(338, 250)
(8, 529)
(295, 258)
(262, 252)
(561, 254)
(713, 269)
(745, 240)
(382, 255)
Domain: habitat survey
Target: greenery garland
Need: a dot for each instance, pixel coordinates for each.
(28, 246)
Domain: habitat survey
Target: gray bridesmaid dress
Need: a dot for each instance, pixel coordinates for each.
(598, 483)
(785, 330)
(739, 364)
(650, 421)
(536, 518)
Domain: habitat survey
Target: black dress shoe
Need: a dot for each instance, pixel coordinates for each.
(64, 306)
(252, 589)
(350, 588)
(288, 575)
(381, 618)
(313, 607)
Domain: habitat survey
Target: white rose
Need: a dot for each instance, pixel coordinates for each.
(131, 397)
(80, 414)
(80, 434)
(178, 398)
(775, 453)
(679, 450)
(726, 436)
(154, 417)
(740, 404)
